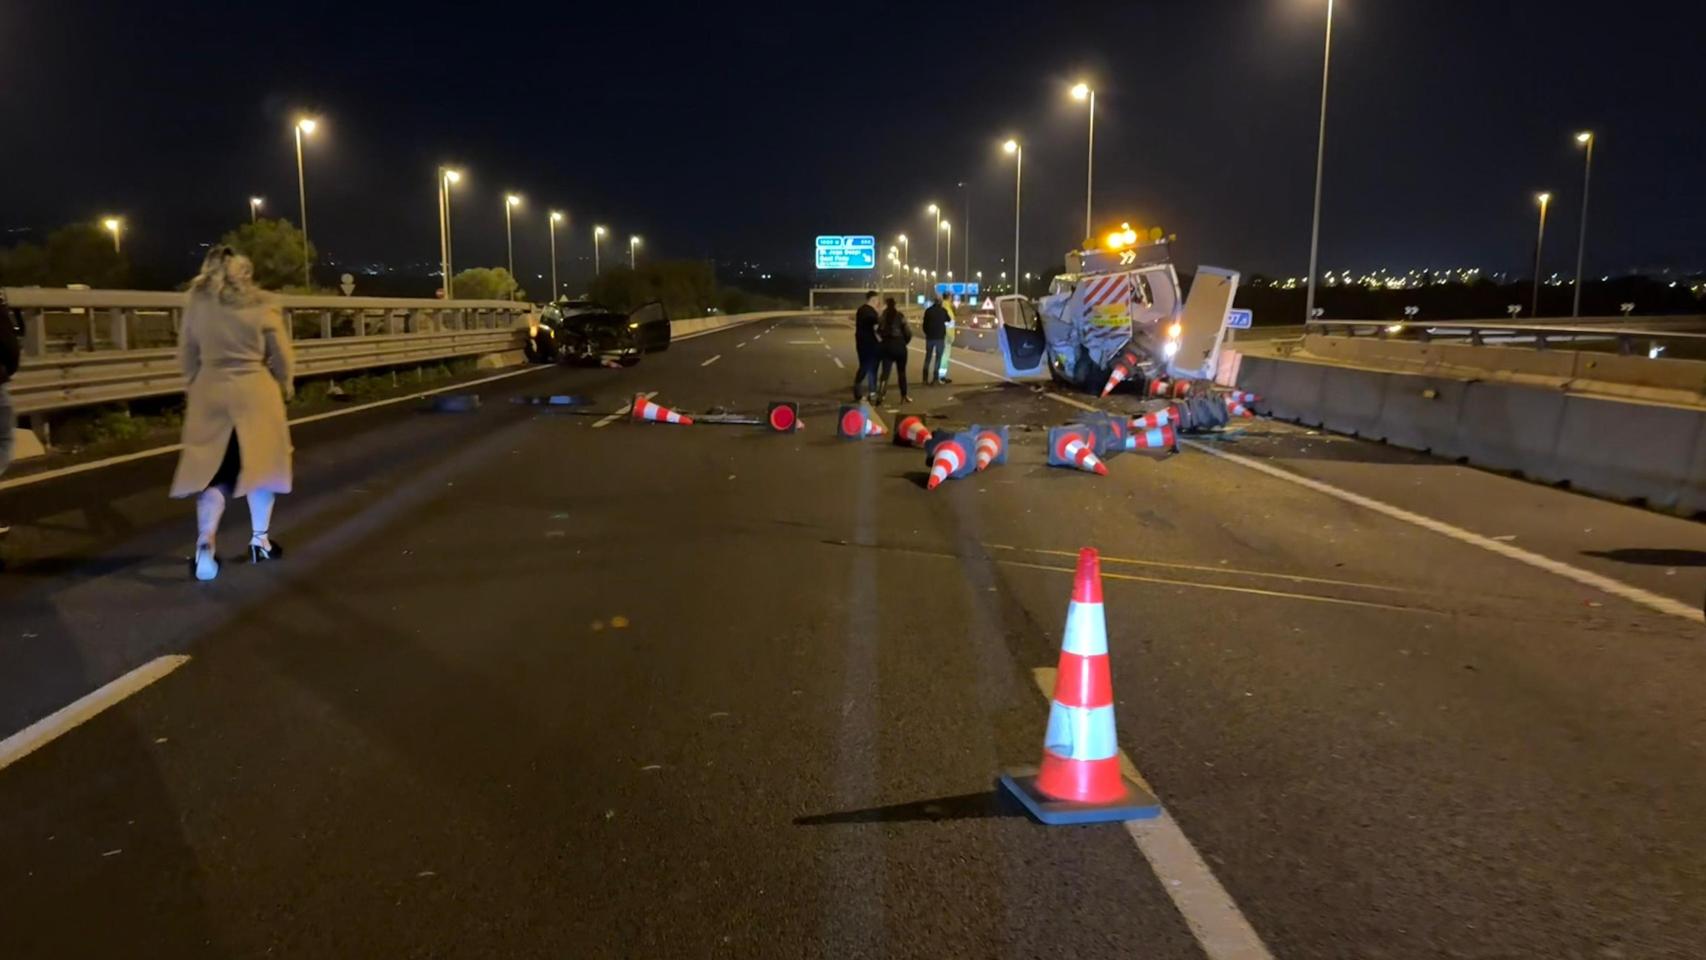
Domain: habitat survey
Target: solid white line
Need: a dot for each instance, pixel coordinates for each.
(626, 409)
(839, 363)
(1214, 918)
(1616, 588)
(712, 360)
(55, 474)
(78, 712)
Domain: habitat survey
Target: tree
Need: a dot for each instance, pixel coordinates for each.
(25, 265)
(688, 288)
(275, 246)
(75, 253)
(486, 283)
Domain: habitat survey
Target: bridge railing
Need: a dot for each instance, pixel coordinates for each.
(97, 346)
(1630, 337)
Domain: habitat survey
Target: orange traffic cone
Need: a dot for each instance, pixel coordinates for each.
(874, 425)
(1156, 418)
(1235, 404)
(949, 459)
(1074, 447)
(1079, 780)
(911, 432)
(1181, 388)
(991, 446)
(1122, 370)
(1155, 438)
(644, 409)
(1158, 388)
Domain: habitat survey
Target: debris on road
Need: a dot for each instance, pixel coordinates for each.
(911, 432)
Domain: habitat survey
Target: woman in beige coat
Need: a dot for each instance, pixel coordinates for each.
(235, 354)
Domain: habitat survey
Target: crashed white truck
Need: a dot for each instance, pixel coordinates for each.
(1119, 316)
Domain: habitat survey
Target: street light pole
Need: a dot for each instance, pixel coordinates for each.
(1545, 200)
(965, 238)
(114, 226)
(304, 126)
(446, 178)
(632, 243)
(1018, 152)
(1586, 139)
(554, 217)
(938, 212)
(511, 201)
(948, 228)
(255, 208)
(1083, 92)
(1320, 160)
(906, 264)
(597, 232)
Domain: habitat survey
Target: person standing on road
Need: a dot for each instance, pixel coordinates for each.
(865, 341)
(947, 342)
(236, 357)
(935, 332)
(9, 357)
(895, 336)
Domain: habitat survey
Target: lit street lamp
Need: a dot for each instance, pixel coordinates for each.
(948, 229)
(1320, 156)
(114, 226)
(1018, 152)
(906, 257)
(1545, 200)
(511, 201)
(1083, 92)
(1586, 139)
(596, 233)
(255, 208)
(632, 243)
(304, 127)
(965, 232)
(554, 219)
(937, 211)
(446, 178)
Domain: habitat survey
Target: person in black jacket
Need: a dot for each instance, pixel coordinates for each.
(865, 341)
(935, 335)
(9, 353)
(895, 335)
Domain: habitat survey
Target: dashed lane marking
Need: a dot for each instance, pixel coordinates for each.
(626, 409)
(712, 360)
(839, 363)
(85, 708)
(1214, 918)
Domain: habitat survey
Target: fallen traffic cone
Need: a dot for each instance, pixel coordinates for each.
(1158, 388)
(1074, 447)
(874, 426)
(911, 432)
(948, 459)
(1108, 432)
(1079, 780)
(1158, 438)
(645, 409)
(1181, 388)
(1165, 417)
(854, 421)
(784, 417)
(1124, 365)
(1245, 397)
(989, 445)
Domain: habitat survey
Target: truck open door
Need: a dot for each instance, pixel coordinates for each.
(1024, 350)
(1203, 324)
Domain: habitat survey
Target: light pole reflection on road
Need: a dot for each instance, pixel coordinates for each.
(304, 127)
(1586, 139)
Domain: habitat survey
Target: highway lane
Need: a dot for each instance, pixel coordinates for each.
(530, 687)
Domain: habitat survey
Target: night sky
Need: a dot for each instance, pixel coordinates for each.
(741, 135)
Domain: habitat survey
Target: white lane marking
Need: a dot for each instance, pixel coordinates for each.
(1616, 588)
(712, 360)
(81, 710)
(1214, 918)
(1588, 578)
(740, 344)
(795, 343)
(626, 409)
(74, 469)
(839, 363)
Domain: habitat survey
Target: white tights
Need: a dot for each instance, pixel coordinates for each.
(210, 508)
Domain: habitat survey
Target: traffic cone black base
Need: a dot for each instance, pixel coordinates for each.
(454, 403)
(1137, 804)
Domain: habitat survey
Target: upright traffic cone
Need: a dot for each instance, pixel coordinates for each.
(911, 432)
(854, 421)
(1074, 446)
(947, 459)
(645, 409)
(784, 417)
(1166, 417)
(989, 445)
(1157, 438)
(1079, 779)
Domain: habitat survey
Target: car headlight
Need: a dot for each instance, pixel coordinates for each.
(1171, 348)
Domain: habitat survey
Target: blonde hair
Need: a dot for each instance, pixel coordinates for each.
(227, 276)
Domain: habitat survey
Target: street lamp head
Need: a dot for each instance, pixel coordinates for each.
(256, 201)
(901, 238)
(111, 223)
(452, 176)
(556, 217)
(307, 125)
(634, 241)
(1585, 137)
(1543, 198)
(932, 209)
(512, 199)
(1011, 146)
(599, 231)
(947, 226)
(1081, 91)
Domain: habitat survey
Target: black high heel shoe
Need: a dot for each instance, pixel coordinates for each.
(260, 554)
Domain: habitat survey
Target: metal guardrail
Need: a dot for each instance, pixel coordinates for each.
(1540, 335)
(100, 346)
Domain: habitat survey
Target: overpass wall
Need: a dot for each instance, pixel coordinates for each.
(1621, 448)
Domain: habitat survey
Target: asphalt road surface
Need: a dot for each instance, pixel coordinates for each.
(533, 684)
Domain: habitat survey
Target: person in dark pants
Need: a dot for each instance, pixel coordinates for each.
(895, 335)
(935, 337)
(865, 341)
